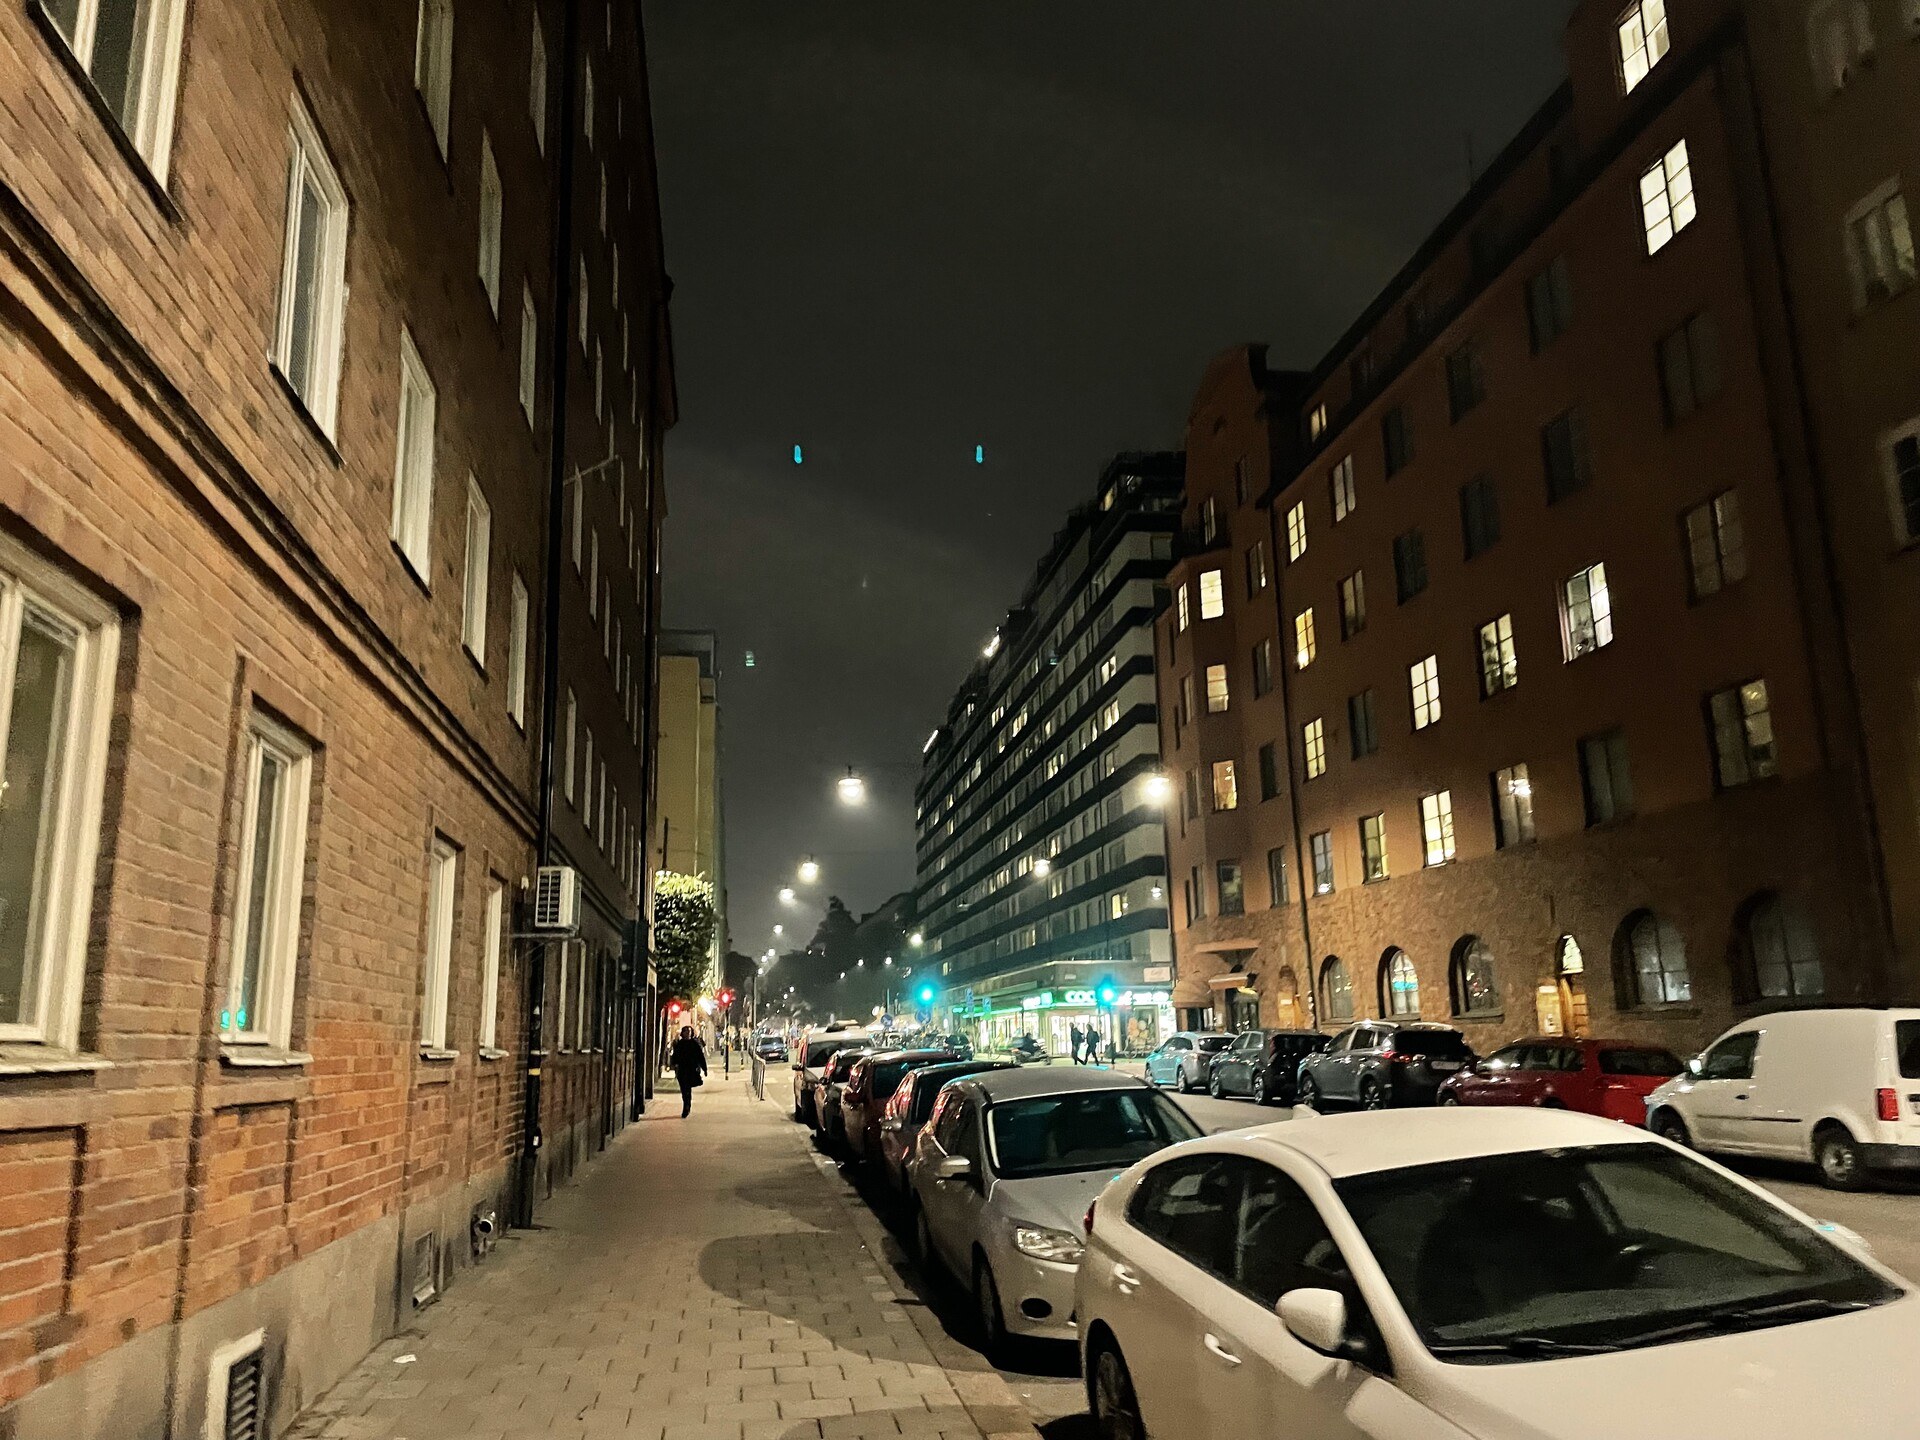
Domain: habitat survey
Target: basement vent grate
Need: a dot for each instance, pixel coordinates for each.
(245, 1408)
(425, 1276)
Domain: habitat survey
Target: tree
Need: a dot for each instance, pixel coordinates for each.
(683, 923)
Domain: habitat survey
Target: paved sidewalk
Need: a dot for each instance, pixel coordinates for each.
(705, 1279)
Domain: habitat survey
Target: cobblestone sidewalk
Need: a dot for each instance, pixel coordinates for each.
(704, 1280)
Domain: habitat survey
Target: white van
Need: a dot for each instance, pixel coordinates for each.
(1840, 1088)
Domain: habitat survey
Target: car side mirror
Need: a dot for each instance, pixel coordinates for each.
(953, 1167)
(1317, 1319)
(1696, 1067)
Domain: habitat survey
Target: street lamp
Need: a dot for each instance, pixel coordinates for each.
(853, 790)
(889, 960)
(916, 939)
(787, 895)
(1043, 867)
(809, 870)
(1159, 788)
(779, 929)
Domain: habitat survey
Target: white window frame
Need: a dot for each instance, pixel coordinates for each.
(560, 998)
(573, 717)
(1313, 747)
(1213, 594)
(490, 968)
(1423, 686)
(307, 159)
(1597, 601)
(1182, 614)
(436, 969)
(1667, 203)
(587, 105)
(412, 522)
(156, 76)
(1436, 828)
(1306, 645)
(529, 351)
(285, 886)
(491, 204)
(1296, 532)
(433, 67)
(517, 653)
(479, 564)
(57, 955)
(1644, 40)
(1871, 282)
(1340, 481)
(1499, 660)
(593, 571)
(537, 86)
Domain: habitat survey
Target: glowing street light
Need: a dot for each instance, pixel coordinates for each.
(889, 960)
(809, 870)
(853, 790)
(778, 930)
(1159, 788)
(787, 896)
(916, 939)
(1043, 867)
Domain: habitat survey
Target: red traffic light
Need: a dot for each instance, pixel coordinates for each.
(673, 1008)
(726, 997)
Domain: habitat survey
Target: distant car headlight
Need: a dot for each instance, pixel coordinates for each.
(1043, 1244)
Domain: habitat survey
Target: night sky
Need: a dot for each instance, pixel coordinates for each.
(900, 230)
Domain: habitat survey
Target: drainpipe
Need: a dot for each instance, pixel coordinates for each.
(561, 308)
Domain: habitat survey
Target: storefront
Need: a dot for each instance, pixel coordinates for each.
(1130, 1022)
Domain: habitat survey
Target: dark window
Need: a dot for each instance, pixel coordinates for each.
(1563, 446)
(1396, 437)
(1336, 992)
(1190, 1206)
(1732, 1058)
(1196, 899)
(1549, 304)
(1282, 1242)
(1479, 515)
(1780, 951)
(1906, 485)
(1321, 846)
(1360, 370)
(1209, 521)
(1269, 771)
(1256, 569)
(1262, 669)
(1233, 888)
(1240, 481)
(1353, 605)
(1716, 544)
(1088, 1130)
(1277, 875)
(1476, 991)
(1360, 724)
(1419, 315)
(1689, 367)
(1409, 565)
(1740, 725)
(1605, 777)
(1512, 807)
(1906, 1043)
(1640, 1062)
(1650, 961)
(1466, 379)
(1439, 1042)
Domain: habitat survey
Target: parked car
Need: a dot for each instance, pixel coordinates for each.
(809, 1065)
(1609, 1078)
(959, 1044)
(909, 1108)
(826, 1095)
(1380, 1063)
(1181, 1059)
(870, 1085)
(1263, 1065)
(1001, 1176)
(1840, 1088)
(770, 1048)
(1493, 1274)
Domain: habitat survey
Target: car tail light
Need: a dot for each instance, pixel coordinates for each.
(1391, 1055)
(1088, 1222)
(1889, 1104)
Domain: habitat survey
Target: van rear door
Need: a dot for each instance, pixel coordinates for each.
(1906, 1063)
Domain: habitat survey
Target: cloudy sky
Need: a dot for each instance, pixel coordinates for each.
(900, 230)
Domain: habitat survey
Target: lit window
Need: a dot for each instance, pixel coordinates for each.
(473, 622)
(438, 967)
(529, 350)
(1340, 482)
(490, 969)
(1209, 521)
(131, 52)
(1226, 795)
(1436, 827)
(1643, 40)
(490, 205)
(1304, 648)
(313, 269)
(1742, 725)
(1716, 547)
(1400, 984)
(1297, 531)
(1353, 605)
(1666, 198)
(1586, 612)
(1512, 807)
(433, 65)
(1499, 664)
(593, 572)
(1424, 681)
(1213, 595)
(1879, 246)
(537, 87)
(266, 924)
(1313, 742)
(1373, 848)
(412, 522)
(1317, 421)
(1320, 847)
(1216, 689)
(1182, 615)
(517, 653)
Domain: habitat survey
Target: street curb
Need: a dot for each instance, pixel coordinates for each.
(987, 1398)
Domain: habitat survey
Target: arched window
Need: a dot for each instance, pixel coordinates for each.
(1399, 984)
(1776, 954)
(1650, 962)
(1475, 991)
(1336, 989)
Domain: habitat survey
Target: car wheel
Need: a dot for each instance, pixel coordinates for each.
(1838, 1157)
(1116, 1413)
(1447, 1097)
(1262, 1091)
(1669, 1126)
(1309, 1093)
(986, 1306)
(1216, 1087)
(1186, 1086)
(1373, 1095)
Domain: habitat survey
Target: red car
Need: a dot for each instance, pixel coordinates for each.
(1609, 1078)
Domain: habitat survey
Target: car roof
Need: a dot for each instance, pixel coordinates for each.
(1025, 1081)
(1375, 1140)
(891, 1055)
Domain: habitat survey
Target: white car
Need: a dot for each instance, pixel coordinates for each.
(1840, 1088)
(1002, 1174)
(1479, 1274)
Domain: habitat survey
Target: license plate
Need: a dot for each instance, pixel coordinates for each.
(1443, 1064)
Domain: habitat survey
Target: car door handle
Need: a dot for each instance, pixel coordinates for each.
(1126, 1277)
(1741, 1096)
(1220, 1352)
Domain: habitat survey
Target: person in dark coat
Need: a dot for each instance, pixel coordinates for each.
(1076, 1038)
(689, 1061)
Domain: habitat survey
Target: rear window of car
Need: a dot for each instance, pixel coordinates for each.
(1448, 1044)
(820, 1051)
(1211, 1043)
(1906, 1044)
(1640, 1062)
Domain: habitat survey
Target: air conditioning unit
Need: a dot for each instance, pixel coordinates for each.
(556, 900)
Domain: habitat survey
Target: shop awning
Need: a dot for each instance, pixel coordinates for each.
(1239, 980)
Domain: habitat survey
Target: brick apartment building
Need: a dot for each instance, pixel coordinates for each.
(311, 338)
(1552, 654)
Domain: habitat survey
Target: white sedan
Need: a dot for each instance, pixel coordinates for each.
(1469, 1274)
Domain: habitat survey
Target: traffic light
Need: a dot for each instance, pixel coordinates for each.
(927, 994)
(1108, 994)
(674, 1008)
(725, 997)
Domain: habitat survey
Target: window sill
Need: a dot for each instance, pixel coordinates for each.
(300, 408)
(262, 1057)
(438, 1055)
(406, 560)
(31, 1059)
(488, 1052)
(1482, 1017)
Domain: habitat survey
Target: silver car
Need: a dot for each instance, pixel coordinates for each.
(1002, 1174)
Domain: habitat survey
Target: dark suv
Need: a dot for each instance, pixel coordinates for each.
(1262, 1064)
(1380, 1063)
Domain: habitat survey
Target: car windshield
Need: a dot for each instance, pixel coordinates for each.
(1083, 1130)
(1640, 1062)
(1516, 1257)
(1213, 1042)
(1906, 1040)
(1441, 1044)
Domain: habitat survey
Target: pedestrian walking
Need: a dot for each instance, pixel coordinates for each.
(689, 1062)
(1076, 1038)
(1093, 1046)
